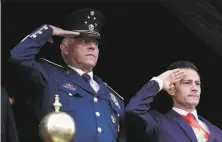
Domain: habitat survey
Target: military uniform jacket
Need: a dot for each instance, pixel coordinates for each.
(98, 116)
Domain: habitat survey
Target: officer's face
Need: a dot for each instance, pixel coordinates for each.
(187, 91)
(83, 53)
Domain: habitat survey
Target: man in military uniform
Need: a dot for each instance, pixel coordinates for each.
(97, 109)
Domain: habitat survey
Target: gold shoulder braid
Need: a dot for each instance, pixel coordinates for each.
(114, 91)
(51, 62)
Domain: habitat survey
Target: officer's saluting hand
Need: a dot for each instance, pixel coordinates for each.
(63, 33)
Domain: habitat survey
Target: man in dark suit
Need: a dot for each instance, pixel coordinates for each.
(8, 127)
(97, 109)
(182, 123)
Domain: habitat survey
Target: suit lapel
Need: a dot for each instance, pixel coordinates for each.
(209, 125)
(78, 80)
(183, 124)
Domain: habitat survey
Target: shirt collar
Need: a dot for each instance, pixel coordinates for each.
(80, 72)
(183, 112)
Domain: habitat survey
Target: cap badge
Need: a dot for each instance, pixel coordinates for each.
(91, 27)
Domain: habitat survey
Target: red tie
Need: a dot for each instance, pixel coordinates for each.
(199, 131)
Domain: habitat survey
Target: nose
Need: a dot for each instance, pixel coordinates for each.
(194, 88)
(92, 46)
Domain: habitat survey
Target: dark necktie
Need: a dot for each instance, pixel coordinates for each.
(86, 77)
(200, 132)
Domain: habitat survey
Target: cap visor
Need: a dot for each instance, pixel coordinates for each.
(91, 34)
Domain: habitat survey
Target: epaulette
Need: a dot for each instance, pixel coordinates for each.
(51, 62)
(114, 91)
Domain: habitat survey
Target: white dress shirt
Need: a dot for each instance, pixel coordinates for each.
(183, 112)
(92, 82)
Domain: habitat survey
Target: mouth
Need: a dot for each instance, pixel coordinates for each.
(193, 96)
(90, 55)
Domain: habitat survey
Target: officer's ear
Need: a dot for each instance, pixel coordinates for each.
(63, 48)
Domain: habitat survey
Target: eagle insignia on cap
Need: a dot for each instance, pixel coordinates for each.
(91, 27)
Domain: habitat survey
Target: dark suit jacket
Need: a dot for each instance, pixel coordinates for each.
(8, 127)
(165, 128)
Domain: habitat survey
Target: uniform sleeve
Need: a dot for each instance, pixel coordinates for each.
(23, 54)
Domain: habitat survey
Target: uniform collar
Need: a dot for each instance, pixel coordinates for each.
(80, 72)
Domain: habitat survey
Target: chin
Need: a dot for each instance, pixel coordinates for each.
(90, 64)
(194, 103)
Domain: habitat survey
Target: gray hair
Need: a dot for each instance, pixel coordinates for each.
(66, 42)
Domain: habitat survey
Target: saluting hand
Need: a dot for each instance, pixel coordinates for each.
(170, 77)
(63, 33)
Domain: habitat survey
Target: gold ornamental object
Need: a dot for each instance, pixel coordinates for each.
(57, 126)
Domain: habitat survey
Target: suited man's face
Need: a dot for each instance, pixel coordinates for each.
(187, 91)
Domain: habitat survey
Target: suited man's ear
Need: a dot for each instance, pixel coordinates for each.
(171, 91)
